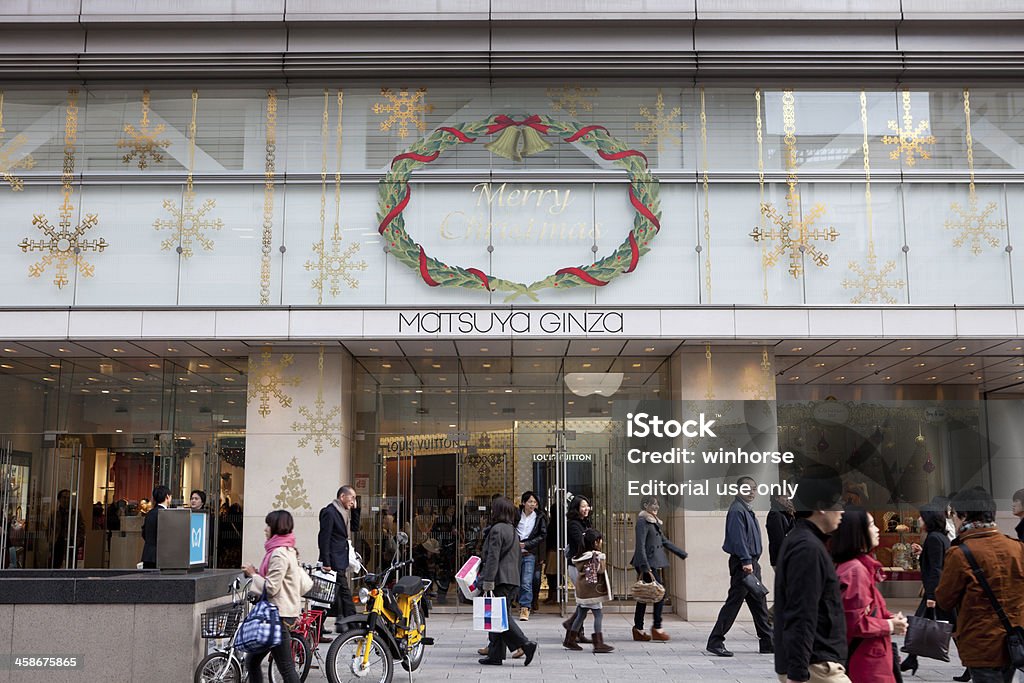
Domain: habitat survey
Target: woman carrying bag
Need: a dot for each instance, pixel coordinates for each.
(650, 561)
(932, 554)
(499, 574)
(282, 582)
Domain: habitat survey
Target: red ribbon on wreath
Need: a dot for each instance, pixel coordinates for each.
(501, 122)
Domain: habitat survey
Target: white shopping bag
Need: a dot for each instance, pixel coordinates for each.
(490, 614)
(466, 577)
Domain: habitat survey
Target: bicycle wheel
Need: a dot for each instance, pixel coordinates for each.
(345, 660)
(300, 656)
(218, 668)
(416, 652)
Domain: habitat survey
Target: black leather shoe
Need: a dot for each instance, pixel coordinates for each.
(965, 676)
(719, 651)
(530, 649)
(487, 661)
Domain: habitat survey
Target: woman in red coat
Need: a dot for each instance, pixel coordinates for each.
(869, 624)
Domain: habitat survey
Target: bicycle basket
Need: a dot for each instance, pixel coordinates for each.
(221, 622)
(323, 590)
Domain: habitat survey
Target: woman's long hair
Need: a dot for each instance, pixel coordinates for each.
(502, 510)
(852, 538)
(574, 510)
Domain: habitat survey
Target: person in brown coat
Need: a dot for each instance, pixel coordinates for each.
(980, 637)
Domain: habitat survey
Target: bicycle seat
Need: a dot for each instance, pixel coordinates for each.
(408, 585)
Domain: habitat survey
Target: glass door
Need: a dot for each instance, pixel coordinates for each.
(66, 526)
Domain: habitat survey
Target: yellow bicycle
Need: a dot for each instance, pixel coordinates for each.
(394, 627)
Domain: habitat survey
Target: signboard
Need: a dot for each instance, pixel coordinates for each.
(198, 526)
(361, 483)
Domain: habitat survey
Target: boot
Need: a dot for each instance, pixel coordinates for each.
(965, 676)
(909, 664)
(599, 645)
(571, 640)
(660, 635)
(580, 637)
(640, 636)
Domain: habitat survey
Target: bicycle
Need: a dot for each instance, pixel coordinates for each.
(225, 665)
(309, 626)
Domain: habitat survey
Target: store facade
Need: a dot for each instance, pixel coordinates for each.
(270, 281)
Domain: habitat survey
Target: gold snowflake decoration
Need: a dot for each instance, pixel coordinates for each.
(873, 283)
(292, 494)
(188, 223)
(403, 109)
(319, 425)
(142, 141)
(974, 224)
(334, 265)
(266, 381)
(571, 98)
(795, 235)
(908, 140)
(63, 246)
(659, 126)
(10, 161)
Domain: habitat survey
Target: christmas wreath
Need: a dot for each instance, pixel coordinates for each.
(515, 139)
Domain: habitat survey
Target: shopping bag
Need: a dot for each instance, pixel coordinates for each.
(466, 577)
(490, 614)
(261, 629)
(927, 637)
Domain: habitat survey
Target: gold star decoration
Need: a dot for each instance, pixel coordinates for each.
(571, 98)
(403, 109)
(872, 283)
(143, 142)
(320, 425)
(292, 495)
(794, 233)
(333, 265)
(659, 126)
(266, 381)
(909, 141)
(10, 160)
(975, 225)
(64, 245)
(188, 223)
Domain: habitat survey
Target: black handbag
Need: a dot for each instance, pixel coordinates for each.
(927, 637)
(1014, 634)
(754, 586)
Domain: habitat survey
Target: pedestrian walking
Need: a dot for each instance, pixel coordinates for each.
(869, 624)
(339, 520)
(283, 582)
(592, 589)
(932, 556)
(982, 555)
(650, 561)
(578, 521)
(1018, 512)
(743, 543)
(531, 528)
(778, 523)
(810, 627)
(499, 574)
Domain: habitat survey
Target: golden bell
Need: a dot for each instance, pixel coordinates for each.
(507, 144)
(533, 143)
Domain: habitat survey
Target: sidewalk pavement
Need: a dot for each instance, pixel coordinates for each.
(453, 657)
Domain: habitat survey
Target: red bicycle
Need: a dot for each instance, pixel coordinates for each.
(308, 630)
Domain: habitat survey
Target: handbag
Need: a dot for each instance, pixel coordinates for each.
(261, 629)
(927, 637)
(1014, 634)
(754, 586)
(647, 591)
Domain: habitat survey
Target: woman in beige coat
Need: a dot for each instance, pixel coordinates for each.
(284, 582)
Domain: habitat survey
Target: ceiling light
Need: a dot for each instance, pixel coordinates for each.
(451, 425)
(229, 379)
(205, 366)
(572, 403)
(385, 365)
(442, 379)
(63, 350)
(10, 350)
(1016, 348)
(49, 379)
(436, 365)
(225, 420)
(494, 403)
(117, 350)
(155, 366)
(374, 349)
(819, 365)
(961, 348)
(136, 379)
(794, 378)
(484, 349)
(586, 365)
(797, 348)
(86, 391)
(193, 391)
(536, 365)
(6, 366)
(508, 391)
(648, 349)
(487, 365)
(92, 379)
(636, 365)
(933, 377)
(451, 402)
(595, 349)
(419, 391)
(56, 366)
(170, 349)
(104, 391)
(919, 365)
(906, 348)
(887, 377)
(851, 348)
(428, 349)
(970, 365)
(118, 431)
(869, 365)
(841, 377)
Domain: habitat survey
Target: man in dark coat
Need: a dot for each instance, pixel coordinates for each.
(743, 543)
(810, 625)
(338, 521)
(161, 501)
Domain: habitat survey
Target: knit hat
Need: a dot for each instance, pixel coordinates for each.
(818, 488)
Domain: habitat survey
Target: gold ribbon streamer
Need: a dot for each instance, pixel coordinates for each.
(268, 196)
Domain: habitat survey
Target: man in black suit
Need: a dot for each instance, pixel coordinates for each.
(162, 500)
(338, 521)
